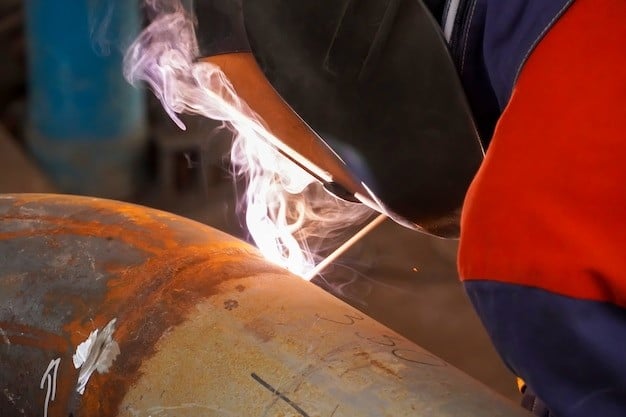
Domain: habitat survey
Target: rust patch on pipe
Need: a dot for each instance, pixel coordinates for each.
(378, 365)
(159, 297)
(25, 335)
(184, 262)
(382, 367)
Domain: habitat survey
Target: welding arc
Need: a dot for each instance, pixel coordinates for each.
(345, 246)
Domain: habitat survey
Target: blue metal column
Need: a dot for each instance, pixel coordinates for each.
(86, 125)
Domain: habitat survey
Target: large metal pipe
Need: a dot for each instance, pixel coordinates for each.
(190, 322)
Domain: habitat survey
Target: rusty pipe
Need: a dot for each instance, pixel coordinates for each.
(112, 309)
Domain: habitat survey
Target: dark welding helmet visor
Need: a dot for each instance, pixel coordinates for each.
(375, 88)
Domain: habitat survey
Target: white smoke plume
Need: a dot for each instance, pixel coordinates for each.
(291, 218)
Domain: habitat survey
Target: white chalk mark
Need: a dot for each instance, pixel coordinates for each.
(50, 381)
(97, 353)
(5, 338)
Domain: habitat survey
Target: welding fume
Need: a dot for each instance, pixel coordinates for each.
(316, 97)
(390, 104)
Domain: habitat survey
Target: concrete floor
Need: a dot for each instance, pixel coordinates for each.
(403, 279)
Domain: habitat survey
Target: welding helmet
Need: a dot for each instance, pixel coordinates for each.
(364, 90)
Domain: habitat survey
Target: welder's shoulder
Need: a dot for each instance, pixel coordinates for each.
(490, 41)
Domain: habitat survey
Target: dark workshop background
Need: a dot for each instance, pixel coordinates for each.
(59, 99)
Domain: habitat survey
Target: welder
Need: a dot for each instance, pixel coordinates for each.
(542, 231)
(542, 236)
